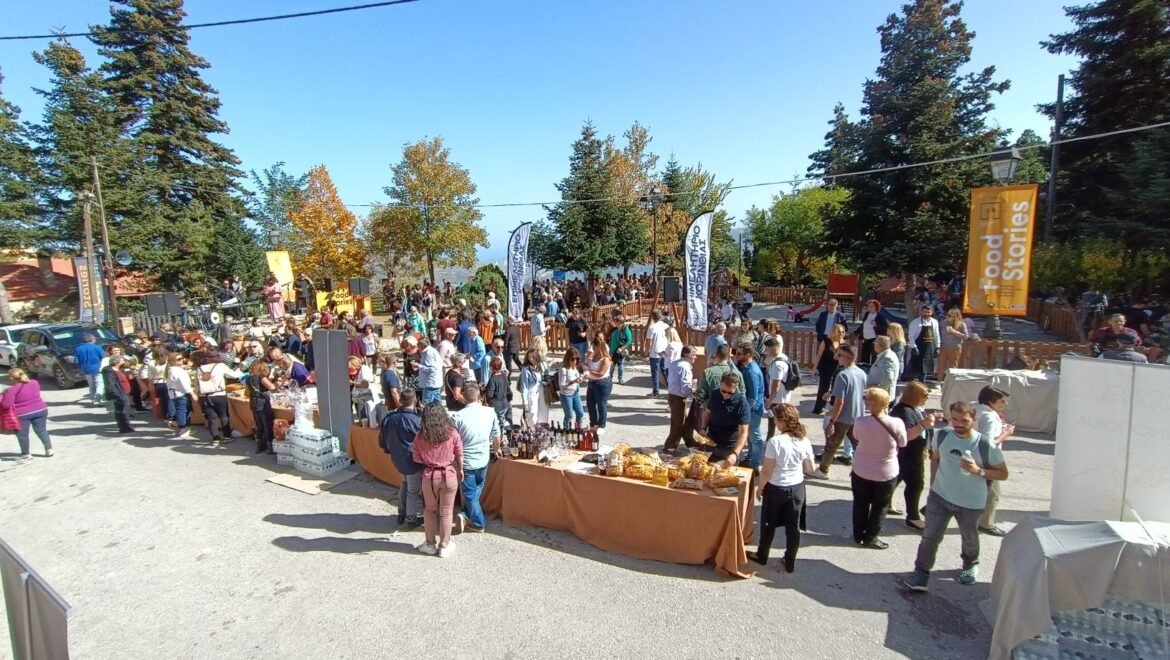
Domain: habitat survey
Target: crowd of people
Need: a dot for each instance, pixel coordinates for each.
(440, 383)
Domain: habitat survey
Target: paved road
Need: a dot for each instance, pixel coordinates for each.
(169, 548)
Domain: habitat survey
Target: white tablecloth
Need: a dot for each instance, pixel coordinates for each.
(1047, 566)
(1032, 398)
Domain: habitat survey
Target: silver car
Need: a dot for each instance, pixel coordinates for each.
(10, 336)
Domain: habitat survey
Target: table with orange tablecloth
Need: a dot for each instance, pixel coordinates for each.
(624, 516)
(364, 448)
(241, 418)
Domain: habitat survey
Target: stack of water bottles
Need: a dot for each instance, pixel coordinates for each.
(1118, 629)
(312, 450)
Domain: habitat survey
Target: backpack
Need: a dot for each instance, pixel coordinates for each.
(984, 447)
(792, 378)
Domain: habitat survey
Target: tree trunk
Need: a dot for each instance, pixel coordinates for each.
(5, 308)
(431, 266)
(911, 289)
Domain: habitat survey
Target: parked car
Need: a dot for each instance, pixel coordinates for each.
(48, 350)
(10, 340)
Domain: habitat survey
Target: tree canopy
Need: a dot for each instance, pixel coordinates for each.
(923, 105)
(432, 216)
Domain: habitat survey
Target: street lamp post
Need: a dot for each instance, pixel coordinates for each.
(651, 200)
(1003, 169)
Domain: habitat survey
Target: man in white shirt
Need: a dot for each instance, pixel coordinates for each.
(656, 344)
(727, 311)
(776, 372)
(924, 343)
(680, 386)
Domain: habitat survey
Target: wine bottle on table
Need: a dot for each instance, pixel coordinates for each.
(594, 442)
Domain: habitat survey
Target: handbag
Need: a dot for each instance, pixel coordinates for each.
(9, 422)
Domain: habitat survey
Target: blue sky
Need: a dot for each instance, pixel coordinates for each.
(745, 87)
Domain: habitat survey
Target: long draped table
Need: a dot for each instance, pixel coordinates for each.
(623, 516)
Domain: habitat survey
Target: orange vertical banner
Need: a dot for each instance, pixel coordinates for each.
(999, 253)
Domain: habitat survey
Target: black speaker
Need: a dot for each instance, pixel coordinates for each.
(172, 304)
(359, 286)
(328, 285)
(670, 290)
(155, 304)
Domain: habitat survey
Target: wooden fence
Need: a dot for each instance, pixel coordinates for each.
(788, 295)
(801, 346)
(1059, 320)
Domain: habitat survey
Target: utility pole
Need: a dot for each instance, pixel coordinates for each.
(111, 276)
(1054, 165)
(90, 263)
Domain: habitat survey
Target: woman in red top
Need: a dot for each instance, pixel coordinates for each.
(439, 449)
(25, 402)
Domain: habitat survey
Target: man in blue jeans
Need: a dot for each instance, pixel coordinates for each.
(429, 364)
(479, 428)
(89, 358)
(753, 391)
(396, 436)
(962, 465)
(656, 343)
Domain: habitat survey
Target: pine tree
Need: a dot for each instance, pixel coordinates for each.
(170, 112)
(1106, 184)
(20, 212)
(328, 231)
(842, 144)
(919, 107)
(277, 194)
(581, 235)
(235, 250)
(79, 123)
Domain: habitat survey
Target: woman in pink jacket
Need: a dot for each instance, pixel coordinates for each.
(24, 399)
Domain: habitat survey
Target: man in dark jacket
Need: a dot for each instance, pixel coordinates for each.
(829, 317)
(512, 344)
(117, 386)
(396, 437)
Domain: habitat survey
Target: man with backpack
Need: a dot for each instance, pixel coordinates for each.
(783, 376)
(963, 463)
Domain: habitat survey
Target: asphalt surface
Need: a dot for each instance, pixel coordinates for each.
(172, 549)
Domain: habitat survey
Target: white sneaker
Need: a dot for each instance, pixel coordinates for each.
(447, 552)
(184, 434)
(427, 549)
(459, 524)
(819, 474)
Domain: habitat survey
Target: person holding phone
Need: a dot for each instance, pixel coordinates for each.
(962, 461)
(989, 422)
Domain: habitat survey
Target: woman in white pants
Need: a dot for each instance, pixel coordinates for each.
(532, 389)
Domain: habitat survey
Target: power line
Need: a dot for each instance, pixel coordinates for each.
(238, 21)
(798, 180)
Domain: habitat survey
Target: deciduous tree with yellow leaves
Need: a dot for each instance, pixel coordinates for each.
(328, 245)
(432, 216)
